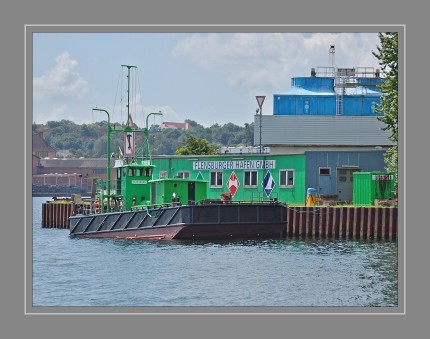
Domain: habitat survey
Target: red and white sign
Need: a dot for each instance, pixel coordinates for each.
(260, 100)
(233, 184)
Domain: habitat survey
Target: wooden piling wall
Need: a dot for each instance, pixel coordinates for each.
(355, 223)
(56, 215)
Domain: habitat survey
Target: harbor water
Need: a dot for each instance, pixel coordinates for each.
(70, 271)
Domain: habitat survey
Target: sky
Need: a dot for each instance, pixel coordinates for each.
(211, 78)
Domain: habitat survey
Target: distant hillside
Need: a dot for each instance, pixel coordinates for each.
(90, 140)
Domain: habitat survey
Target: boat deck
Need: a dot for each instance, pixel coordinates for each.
(222, 220)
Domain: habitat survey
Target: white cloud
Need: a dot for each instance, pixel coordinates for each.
(61, 82)
(139, 112)
(56, 114)
(351, 49)
(271, 59)
(241, 56)
(226, 71)
(168, 112)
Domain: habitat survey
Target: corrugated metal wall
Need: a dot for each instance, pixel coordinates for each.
(316, 96)
(320, 130)
(353, 105)
(366, 161)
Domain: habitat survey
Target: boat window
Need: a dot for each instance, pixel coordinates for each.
(131, 172)
(148, 172)
(183, 174)
(139, 172)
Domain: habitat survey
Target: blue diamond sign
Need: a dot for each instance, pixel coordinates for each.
(268, 183)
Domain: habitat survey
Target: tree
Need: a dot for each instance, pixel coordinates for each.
(100, 147)
(197, 146)
(84, 140)
(388, 59)
(249, 134)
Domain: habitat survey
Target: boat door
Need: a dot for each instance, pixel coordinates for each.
(191, 192)
(344, 183)
(153, 193)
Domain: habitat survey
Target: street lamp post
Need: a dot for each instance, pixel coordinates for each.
(147, 132)
(108, 157)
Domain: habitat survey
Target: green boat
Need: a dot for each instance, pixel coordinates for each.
(137, 206)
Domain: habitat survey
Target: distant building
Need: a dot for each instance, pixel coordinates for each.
(41, 148)
(87, 167)
(35, 164)
(243, 150)
(175, 125)
(61, 174)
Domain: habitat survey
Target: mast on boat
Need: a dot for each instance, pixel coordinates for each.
(129, 151)
(128, 91)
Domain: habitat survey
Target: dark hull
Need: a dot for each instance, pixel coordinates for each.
(203, 222)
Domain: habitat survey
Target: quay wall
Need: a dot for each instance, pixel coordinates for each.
(354, 223)
(56, 215)
(327, 222)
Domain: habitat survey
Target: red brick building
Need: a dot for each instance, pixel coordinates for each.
(52, 173)
(175, 125)
(71, 171)
(35, 162)
(41, 148)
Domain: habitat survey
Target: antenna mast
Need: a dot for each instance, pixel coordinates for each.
(128, 92)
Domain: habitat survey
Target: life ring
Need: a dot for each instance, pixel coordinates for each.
(96, 206)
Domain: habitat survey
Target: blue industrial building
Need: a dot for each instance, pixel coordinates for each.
(330, 117)
(320, 96)
(332, 109)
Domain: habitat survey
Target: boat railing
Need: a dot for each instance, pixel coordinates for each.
(101, 187)
(96, 206)
(205, 202)
(153, 206)
(238, 202)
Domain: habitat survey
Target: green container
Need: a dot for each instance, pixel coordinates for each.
(369, 186)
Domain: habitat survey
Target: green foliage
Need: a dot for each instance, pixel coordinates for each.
(90, 140)
(388, 59)
(197, 146)
(391, 158)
